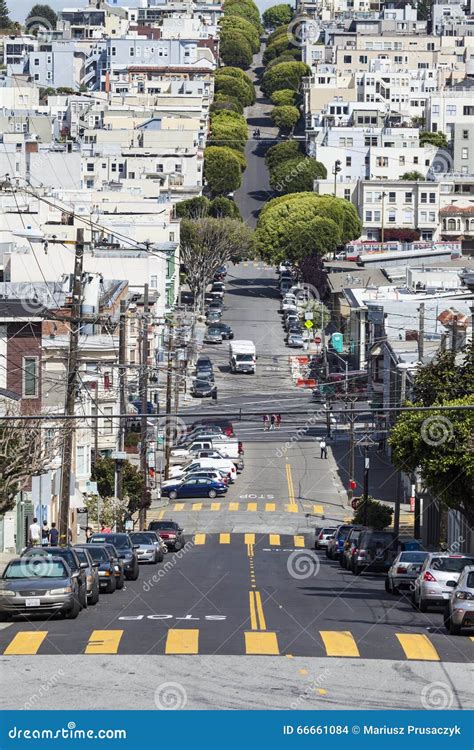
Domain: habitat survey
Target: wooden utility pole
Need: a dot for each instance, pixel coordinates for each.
(122, 361)
(454, 334)
(144, 411)
(421, 331)
(351, 449)
(71, 386)
(169, 390)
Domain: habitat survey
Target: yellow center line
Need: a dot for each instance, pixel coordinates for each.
(261, 617)
(250, 550)
(249, 539)
(292, 507)
(253, 611)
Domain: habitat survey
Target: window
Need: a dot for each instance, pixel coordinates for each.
(121, 167)
(465, 135)
(114, 167)
(408, 197)
(368, 197)
(114, 51)
(368, 215)
(377, 216)
(347, 58)
(432, 216)
(392, 197)
(178, 168)
(82, 460)
(382, 161)
(347, 194)
(107, 422)
(432, 197)
(171, 236)
(90, 167)
(159, 167)
(450, 109)
(348, 161)
(363, 59)
(391, 216)
(154, 282)
(131, 175)
(30, 377)
(132, 51)
(415, 160)
(424, 198)
(435, 109)
(464, 153)
(89, 184)
(401, 161)
(408, 216)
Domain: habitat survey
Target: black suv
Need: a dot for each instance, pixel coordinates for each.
(376, 551)
(77, 568)
(125, 550)
(105, 565)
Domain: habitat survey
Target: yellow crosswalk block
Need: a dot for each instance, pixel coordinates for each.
(196, 506)
(234, 506)
(261, 643)
(339, 643)
(180, 641)
(299, 541)
(104, 642)
(224, 538)
(275, 539)
(215, 506)
(178, 506)
(200, 539)
(318, 510)
(417, 646)
(291, 508)
(249, 539)
(26, 642)
(252, 507)
(270, 507)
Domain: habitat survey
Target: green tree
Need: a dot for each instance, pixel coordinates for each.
(5, 20)
(280, 31)
(413, 176)
(222, 208)
(297, 175)
(435, 139)
(243, 9)
(239, 87)
(281, 152)
(379, 516)
(423, 10)
(236, 23)
(283, 97)
(45, 12)
(228, 129)
(132, 481)
(285, 117)
(284, 76)
(277, 15)
(222, 170)
(279, 45)
(193, 208)
(235, 49)
(222, 101)
(287, 56)
(446, 378)
(107, 511)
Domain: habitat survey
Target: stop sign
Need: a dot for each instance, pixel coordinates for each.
(317, 339)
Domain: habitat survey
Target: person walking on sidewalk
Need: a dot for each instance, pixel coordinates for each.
(323, 448)
(45, 534)
(272, 421)
(53, 535)
(266, 422)
(34, 533)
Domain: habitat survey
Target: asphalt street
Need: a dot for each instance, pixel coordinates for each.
(247, 614)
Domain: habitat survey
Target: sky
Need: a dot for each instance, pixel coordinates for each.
(19, 9)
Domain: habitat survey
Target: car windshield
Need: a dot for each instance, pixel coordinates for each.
(450, 564)
(82, 556)
(202, 384)
(165, 525)
(35, 568)
(412, 557)
(66, 554)
(120, 541)
(245, 357)
(98, 554)
(142, 538)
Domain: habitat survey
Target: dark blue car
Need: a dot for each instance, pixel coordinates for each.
(336, 544)
(194, 488)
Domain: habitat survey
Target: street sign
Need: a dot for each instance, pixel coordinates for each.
(91, 487)
(118, 455)
(309, 324)
(309, 315)
(317, 339)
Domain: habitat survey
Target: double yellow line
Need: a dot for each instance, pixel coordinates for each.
(257, 618)
(293, 507)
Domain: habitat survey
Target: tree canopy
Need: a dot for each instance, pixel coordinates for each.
(435, 139)
(236, 23)
(243, 9)
(132, 481)
(379, 516)
(285, 117)
(235, 49)
(279, 45)
(282, 97)
(228, 129)
(40, 11)
(286, 75)
(5, 20)
(281, 152)
(232, 81)
(200, 206)
(413, 176)
(277, 15)
(222, 171)
(296, 175)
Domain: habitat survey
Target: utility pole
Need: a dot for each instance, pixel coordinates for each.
(337, 169)
(351, 449)
(382, 234)
(421, 331)
(454, 334)
(169, 384)
(323, 343)
(71, 385)
(144, 410)
(122, 360)
(366, 484)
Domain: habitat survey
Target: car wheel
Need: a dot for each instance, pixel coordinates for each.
(83, 597)
(172, 495)
(453, 628)
(422, 605)
(178, 546)
(160, 556)
(95, 596)
(134, 574)
(388, 588)
(212, 493)
(111, 585)
(342, 561)
(72, 613)
(413, 599)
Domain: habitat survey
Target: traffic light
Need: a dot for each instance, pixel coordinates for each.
(337, 166)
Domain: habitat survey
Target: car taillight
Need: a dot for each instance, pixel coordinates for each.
(401, 569)
(428, 576)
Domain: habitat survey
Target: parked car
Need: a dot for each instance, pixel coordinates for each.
(226, 465)
(170, 532)
(291, 321)
(336, 542)
(125, 551)
(459, 612)
(196, 432)
(225, 425)
(403, 571)
(218, 287)
(213, 316)
(92, 574)
(69, 555)
(194, 488)
(148, 546)
(346, 558)
(28, 587)
(119, 566)
(433, 585)
(105, 566)
(215, 474)
(295, 341)
(322, 536)
(213, 335)
(226, 331)
(203, 389)
(376, 551)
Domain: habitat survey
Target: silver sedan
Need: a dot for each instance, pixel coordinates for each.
(147, 545)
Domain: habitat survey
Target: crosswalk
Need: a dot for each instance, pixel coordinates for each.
(286, 541)
(254, 641)
(234, 507)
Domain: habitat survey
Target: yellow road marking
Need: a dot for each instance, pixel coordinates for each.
(234, 506)
(318, 510)
(261, 616)
(250, 550)
(161, 514)
(26, 642)
(270, 507)
(303, 671)
(275, 539)
(224, 538)
(339, 643)
(180, 641)
(253, 611)
(261, 643)
(178, 506)
(200, 539)
(215, 506)
(252, 506)
(249, 538)
(292, 508)
(196, 506)
(417, 646)
(104, 642)
(299, 541)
